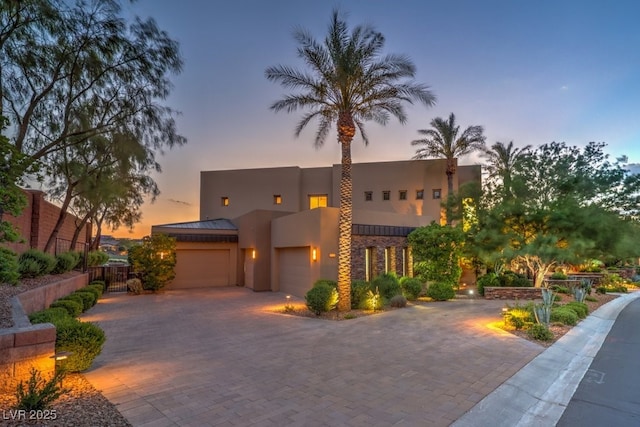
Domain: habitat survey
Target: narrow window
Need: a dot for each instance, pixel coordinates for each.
(437, 193)
(419, 194)
(368, 196)
(386, 195)
(387, 260)
(402, 195)
(277, 199)
(404, 261)
(368, 264)
(224, 201)
(317, 201)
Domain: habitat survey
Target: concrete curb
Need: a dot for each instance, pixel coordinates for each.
(539, 393)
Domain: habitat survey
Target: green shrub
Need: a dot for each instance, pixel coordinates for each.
(74, 297)
(540, 332)
(581, 309)
(440, 291)
(329, 282)
(388, 285)
(601, 290)
(411, 287)
(94, 290)
(100, 283)
(96, 258)
(154, 271)
(590, 298)
(561, 289)
(519, 317)
(46, 263)
(488, 280)
(372, 301)
(65, 261)
(29, 268)
(564, 315)
(88, 299)
(9, 267)
(98, 288)
(37, 394)
(83, 340)
(134, 286)
(49, 315)
(359, 289)
(321, 298)
(558, 275)
(73, 308)
(398, 301)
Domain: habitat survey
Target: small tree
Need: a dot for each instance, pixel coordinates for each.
(154, 261)
(437, 250)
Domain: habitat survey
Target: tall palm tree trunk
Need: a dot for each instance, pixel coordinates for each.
(346, 131)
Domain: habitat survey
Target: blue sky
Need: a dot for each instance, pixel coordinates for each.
(529, 72)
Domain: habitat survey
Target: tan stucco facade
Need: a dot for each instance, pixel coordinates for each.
(285, 220)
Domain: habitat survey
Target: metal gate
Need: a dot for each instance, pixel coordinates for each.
(114, 276)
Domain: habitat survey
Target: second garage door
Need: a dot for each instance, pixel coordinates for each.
(294, 267)
(202, 268)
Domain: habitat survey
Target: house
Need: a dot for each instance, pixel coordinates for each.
(276, 229)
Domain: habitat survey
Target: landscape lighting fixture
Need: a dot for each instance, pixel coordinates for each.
(253, 253)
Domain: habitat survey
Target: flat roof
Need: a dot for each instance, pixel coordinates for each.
(208, 224)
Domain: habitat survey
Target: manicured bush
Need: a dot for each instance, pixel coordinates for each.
(489, 279)
(100, 283)
(558, 275)
(96, 258)
(88, 299)
(440, 291)
(359, 289)
(321, 298)
(540, 332)
(398, 301)
(601, 290)
(580, 308)
(388, 285)
(411, 287)
(49, 315)
(74, 297)
(564, 315)
(83, 340)
(94, 290)
(73, 308)
(46, 263)
(9, 267)
(65, 261)
(331, 283)
(98, 288)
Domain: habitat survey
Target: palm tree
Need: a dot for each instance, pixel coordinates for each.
(502, 160)
(443, 141)
(348, 83)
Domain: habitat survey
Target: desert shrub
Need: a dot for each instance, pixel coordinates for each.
(37, 394)
(564, 315)
(49, 315)
(558, 275)
(372, 301)
(611, 280)
(398, 301)
(439, 291)
(617, 288)
(88, 299)
(73, 308)
(65, 261)
(321, 298)
(9, 267)
(388, 285)
(83, 340)
(411, 287)
(601, 290)
(561, 289)
(580, 308)
(489, 279)
(45, 262)
(96, 258)
(359, 289)
(590, 298)
(540, 332)
(134, 286)
(519, 317)
(98, 283)
(329, 282)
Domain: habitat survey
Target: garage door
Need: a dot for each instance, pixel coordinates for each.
(202, 268)
(294, 267)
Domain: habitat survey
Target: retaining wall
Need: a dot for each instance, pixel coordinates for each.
(26, 346)
(526, 293)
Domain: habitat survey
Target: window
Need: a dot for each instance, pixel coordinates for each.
(419, 194)
(277, 199)
(405, 256)
(224, 201)
(386, 195)
(369, 255)
(437, 193)
(387, 260)
(402, 195)
(368, 196)
(317, 201)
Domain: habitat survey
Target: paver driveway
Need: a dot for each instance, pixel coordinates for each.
(223, 357)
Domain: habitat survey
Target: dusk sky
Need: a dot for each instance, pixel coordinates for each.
(529, 72)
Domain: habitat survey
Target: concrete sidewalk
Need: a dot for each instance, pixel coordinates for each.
(540, 392)
(223, 357)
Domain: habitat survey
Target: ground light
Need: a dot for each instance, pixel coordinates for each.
(58, 358)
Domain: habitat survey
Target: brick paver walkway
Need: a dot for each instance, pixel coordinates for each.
(221, 357)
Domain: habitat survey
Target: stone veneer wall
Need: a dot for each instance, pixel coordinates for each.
(360, 243)
(491, 292)
(25, 345)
